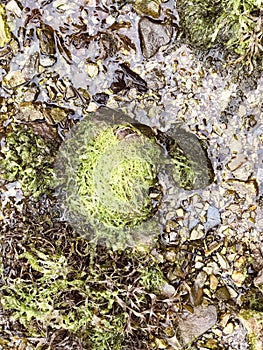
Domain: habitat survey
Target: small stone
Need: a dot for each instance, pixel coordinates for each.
(160, 343)
(244, 172)
(14, 79)
(242, 111)
(213, 282)
(92, 107)
(92, 69)
(153, 35)
(13, 7)
(236, 162)
(197, 233)
(167, 290)
(224, 320)
(180, 212)
(29, 111)
(213, 218)
(19, 77)
(222, 294)
(199, 265)
(193, 325)
(170, 256)
(150, 8)
(240, 262)
(222, 261)
(229, 329)
(238, 277)
(47, 61)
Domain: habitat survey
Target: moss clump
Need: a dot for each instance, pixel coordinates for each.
(43, 300)
(233, 23)
(114, 178)
(152, 279)
(27, 159)
(108, 173)
(97, 296)
(183, 172)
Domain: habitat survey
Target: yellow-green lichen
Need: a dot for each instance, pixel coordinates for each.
(5, 34)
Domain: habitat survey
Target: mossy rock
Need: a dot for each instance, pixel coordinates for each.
(110, 171)
(230, 23)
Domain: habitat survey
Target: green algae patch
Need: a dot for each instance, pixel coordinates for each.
(190, 165)
(5, 34)
(108, 176)
(233, 23)
(114, 177)
(27, 158)
(110, 172)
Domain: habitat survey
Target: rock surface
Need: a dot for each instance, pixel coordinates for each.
(153, 35)
(193, 325)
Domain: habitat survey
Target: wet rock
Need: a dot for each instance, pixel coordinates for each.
(47, 45)
(186, 148)
(213, 218)
(15, 8)
(14, 79)
(167, 290)
(126, 79)
(92, 69)
(101, 98)
(193, 325)
(223, 294)
(5, 34)
(153, 35)
(19, 77)
(47, 61)
(31, 112)
(150, 8)
(46, 39)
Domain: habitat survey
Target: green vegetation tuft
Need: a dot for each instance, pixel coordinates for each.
(183, 172)
(114, 178)
(152, 278)
(43, 301)
(107, 173)
(27, 159)
(97, 303)
(236, 24)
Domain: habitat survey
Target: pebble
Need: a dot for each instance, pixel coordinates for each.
(229, 328)
(153, 36)
(213, 282)
(150, 8)
(238, 277)
(193, 325)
